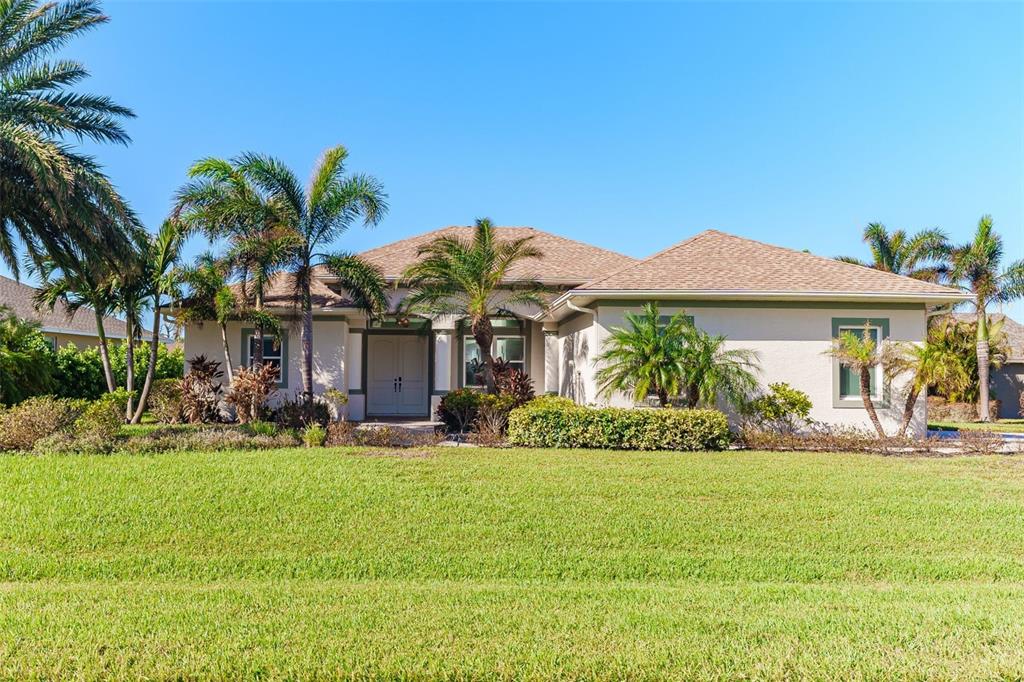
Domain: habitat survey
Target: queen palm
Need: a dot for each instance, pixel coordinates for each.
(921, 255)
(977, 268)
(320, 213)
(469, 278)
(56, 201)
(646, 356)
(222, 202)
(861, 354)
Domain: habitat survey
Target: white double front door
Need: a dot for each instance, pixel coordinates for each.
(396, 367)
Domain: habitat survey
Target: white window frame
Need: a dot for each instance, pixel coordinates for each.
(494, 345)
(876, 371)
(282, 371)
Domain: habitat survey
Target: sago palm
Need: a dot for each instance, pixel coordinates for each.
(223, 203)
(922, 255)
(319, 213)
(56, 201)
(977, 268)
(646, 356)
(469, 278)
(861, 354)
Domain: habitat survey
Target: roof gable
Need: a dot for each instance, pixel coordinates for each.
(714, 261)
(565, 261)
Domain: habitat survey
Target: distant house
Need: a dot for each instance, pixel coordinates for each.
(1008, 380)
(786, 305)
(60, 327)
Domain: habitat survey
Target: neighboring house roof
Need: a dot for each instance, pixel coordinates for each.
(1014, 332)
(280, 293)
(19, 298)
(565, 261)
(718, 263)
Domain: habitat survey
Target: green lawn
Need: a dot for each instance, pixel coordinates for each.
(511, 564)
(1007, 425)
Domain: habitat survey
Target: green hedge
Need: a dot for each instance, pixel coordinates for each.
(557, 423)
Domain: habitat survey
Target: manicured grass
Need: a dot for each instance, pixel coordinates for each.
(1005, 425)
(511, 564)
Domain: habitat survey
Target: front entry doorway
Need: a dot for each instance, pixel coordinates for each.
(396, 367)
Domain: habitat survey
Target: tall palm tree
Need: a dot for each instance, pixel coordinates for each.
(320, 213)
(861, 354)
(714, 372)
(211, 298)
(161, 276)
(56, 201)
(222, 202)
(80, 283)
(928, 364)
(469, 278)
(921, 255)
(976, 267)
(645, 357)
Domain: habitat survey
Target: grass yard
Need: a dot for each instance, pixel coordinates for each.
(511, 564)
(1004, 425)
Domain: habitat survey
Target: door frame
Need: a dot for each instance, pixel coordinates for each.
(430, 364)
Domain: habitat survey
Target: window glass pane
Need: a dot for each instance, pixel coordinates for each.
(471, 356)
(849, 381)
(511, 349)
(271, 347)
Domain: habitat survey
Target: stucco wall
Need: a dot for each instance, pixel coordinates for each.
(329, 362)
(576, 348)
(791, 343)
(1007, 384)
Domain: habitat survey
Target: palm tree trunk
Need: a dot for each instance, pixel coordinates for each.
(983, 360)
(865, 395)
(483, 334)
(307, 351)
(662, 396)
(227, 352)
(257, 355)
(108, 372)
(129, 367)
(151, 369)
(908, 409)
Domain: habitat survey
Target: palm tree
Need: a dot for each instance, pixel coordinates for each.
(928, 364)
(860, 353)
(958, 338)
(56, 201)
(320, 213)
(921, 255)
(211, 298)
(162, 278)
(469, 278)
(713, 372)
(976, 266)
(80, 283)
(222, 202)
(646, 357)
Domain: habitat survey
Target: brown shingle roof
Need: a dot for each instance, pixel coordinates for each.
(19, 298)
(280, 293)
(565, 261)
(716, 261)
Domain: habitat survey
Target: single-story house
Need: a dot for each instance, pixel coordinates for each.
(1008, 380)
(59, 326)
(787, 305)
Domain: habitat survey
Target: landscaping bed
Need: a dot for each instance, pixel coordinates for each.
(512, 563)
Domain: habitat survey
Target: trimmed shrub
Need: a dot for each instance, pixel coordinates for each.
(165, 401)
(783, 409)
(458, 409)
(79, 373)
(250, 390)
(28, 422)
(545, 423)
(102, 419)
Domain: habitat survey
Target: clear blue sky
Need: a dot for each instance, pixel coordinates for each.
(628, 126)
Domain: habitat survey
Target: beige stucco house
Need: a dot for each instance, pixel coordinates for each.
(784, 304)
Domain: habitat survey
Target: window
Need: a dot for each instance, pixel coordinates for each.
(849, 380)
(511, 349)
(275, 353)
(51, 341)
